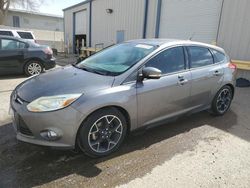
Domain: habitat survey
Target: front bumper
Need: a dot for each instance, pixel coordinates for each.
(49, 64)
(28, 125)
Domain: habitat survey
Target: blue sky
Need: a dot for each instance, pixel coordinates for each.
(54, 6)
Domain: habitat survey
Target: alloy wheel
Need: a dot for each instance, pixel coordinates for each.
(224, 100)
(105, 133)
(34, 68)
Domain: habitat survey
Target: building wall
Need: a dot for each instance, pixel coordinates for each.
(68, 25)
(127, 16)
(151, 18)
(183, 19)
(33, 21)
(234, 32)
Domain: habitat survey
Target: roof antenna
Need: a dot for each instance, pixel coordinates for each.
(192, 36)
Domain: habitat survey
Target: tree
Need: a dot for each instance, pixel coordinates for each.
(26, 4)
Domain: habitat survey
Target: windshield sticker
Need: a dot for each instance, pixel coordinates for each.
(144, 46)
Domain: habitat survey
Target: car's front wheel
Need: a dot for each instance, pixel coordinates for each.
(222, 101)
(33, 67)
(102, 133)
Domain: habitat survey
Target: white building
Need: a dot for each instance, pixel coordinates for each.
(34, 20)
(47, 28)
(113, 21)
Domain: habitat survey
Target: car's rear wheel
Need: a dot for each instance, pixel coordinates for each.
(102, 133)
(33, 67)
(222, 101)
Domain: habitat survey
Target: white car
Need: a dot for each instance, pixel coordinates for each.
(27, 35)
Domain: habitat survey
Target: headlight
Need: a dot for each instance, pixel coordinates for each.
(51, 103)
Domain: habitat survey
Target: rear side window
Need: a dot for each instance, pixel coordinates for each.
(168, 61)
(25, 35)
(199, 56)
(6, 33)
(8, 44)
(218, 56)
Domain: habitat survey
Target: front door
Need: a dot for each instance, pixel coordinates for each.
(168, 96)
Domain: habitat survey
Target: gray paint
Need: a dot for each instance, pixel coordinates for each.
(234, 34)
(170, 99)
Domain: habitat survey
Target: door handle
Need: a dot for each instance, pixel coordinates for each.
(182, 81)
(217, 73)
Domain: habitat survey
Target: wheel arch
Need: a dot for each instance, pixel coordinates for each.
(232, 87)
(119, 108)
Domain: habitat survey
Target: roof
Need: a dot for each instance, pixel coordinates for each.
(78, 4)
(154, 41)
(169, 42)
(35, 13)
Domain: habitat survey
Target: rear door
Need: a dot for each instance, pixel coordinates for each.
(205, 75)
(168, 96)
(11, 56)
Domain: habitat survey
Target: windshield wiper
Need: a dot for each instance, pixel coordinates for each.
(89, 69)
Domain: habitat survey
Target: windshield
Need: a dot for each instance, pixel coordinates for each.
(117, 59)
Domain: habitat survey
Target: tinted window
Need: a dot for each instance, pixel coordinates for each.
(6, 33)
(25, 35)
(218, 56)
(171, 60)
(7, 44)
(200, 56)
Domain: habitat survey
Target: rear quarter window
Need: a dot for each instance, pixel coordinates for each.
(218, 56)
(6, 33)
(25, 35)
(199, 56)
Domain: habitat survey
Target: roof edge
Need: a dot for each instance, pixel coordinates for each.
(76, 5)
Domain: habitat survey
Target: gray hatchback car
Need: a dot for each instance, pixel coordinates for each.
(94, 104)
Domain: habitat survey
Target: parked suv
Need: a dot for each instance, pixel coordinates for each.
(27, 35)
(141, 83)
(21, 56)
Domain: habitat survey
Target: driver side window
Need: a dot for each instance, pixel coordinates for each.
(168, 61)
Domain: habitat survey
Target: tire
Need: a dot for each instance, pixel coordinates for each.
(102, 133)
(222, 101)
(33, 67)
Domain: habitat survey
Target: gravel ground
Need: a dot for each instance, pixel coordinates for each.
(195, 151)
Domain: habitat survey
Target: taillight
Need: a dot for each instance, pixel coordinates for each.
(232, 66)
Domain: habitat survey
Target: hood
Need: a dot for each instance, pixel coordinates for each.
(65, 80)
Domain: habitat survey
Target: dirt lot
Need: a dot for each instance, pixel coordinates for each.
(195, 151)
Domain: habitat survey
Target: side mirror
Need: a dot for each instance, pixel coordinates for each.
(151, 73)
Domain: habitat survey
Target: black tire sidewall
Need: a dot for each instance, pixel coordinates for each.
(214, 103)
(82, 137)
(28, 63)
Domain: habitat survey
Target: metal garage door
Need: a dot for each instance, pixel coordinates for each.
(81, 22)
(183, 18)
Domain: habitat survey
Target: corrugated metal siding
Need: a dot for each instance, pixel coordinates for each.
(81, 22)
(183, 18)
(152, 11)
(128, 15)
(234, 33)
(68, 24)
